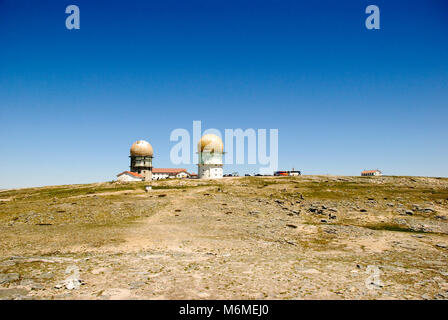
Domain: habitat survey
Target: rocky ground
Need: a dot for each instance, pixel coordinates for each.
(309, 237)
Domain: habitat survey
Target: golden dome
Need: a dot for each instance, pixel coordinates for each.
(210, 143)
(141, 148)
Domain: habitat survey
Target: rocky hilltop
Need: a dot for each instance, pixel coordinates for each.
(308, 237)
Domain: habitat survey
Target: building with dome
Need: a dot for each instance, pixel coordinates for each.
(141, 155)
(210, 150)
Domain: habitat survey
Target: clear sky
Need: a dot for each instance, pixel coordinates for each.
(343, 98)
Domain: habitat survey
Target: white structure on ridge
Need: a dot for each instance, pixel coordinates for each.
(141, 155)
(210, 150)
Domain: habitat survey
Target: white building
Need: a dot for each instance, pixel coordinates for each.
(165, 173)
(371, 173)
(210, 150)
(141, 155)
(128, 176)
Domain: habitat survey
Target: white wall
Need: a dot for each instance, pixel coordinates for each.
(210, 171)
(128, 178)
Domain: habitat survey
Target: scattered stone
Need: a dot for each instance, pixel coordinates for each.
(9, 277)
(331, 230)
(73, 281)
(46, 276)
(323, 221)
(291, 226)
(254, 212)
(136, 284)
(332, 216)
(177, 210)
(442, 245)
(12, 293)
(409, 212)
(161, 195)
(362, 210)
(31, 284)
(290, 242)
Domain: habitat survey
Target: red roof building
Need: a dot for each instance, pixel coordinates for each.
(371, 173)
(130, 176)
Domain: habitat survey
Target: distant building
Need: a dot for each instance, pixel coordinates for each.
(141, 154)
(210, 150)
(128, 176)
(367, 173)
(165, 173)
(287, 173)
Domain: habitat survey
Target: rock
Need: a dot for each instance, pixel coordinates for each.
(442, 245)
(290, 242)
(12, 293)
(409, 212)
(254, 212)
(323, 221)
(363, 210)
(73, 281)
(390, 204)
(9, 277)
(331, 230)
(37, 286)
(291, 226)
(46, 275)
(136, 284)
(31, 284)
(429, 210)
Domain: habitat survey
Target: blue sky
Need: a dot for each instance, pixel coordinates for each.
(343, 98)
